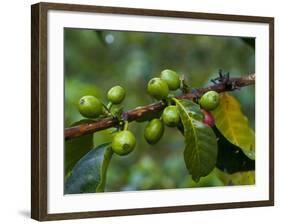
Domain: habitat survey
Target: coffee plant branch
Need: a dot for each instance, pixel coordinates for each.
(139, 112)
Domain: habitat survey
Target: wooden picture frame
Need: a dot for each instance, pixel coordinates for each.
(39, 108)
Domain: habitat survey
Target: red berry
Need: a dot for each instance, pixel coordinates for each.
(208, 118)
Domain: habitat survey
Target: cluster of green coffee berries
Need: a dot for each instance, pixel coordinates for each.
(91, 107)
(159, 88)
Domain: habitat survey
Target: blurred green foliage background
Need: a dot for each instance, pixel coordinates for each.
(97, 60)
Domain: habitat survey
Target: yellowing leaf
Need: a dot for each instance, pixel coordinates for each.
(233, 124)
(239, 178)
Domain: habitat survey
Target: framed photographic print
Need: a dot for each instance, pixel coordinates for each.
(138, 111)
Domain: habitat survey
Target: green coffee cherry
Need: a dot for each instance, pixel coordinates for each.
(90, 107)
(153, 131)
(210, 100)
(116, 94)
(123, 142)
(171, 78)
(171, 116)
(158, 88)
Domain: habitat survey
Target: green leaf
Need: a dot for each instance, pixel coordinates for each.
(200, 153)
(89, 174)
(234, 125)
(75, 148)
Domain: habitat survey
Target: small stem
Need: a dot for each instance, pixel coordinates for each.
(174, 99)
(109, 105)
(126, 125)
(107, 109)
(183, 87)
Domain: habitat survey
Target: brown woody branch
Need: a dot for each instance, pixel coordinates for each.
(139, 112)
